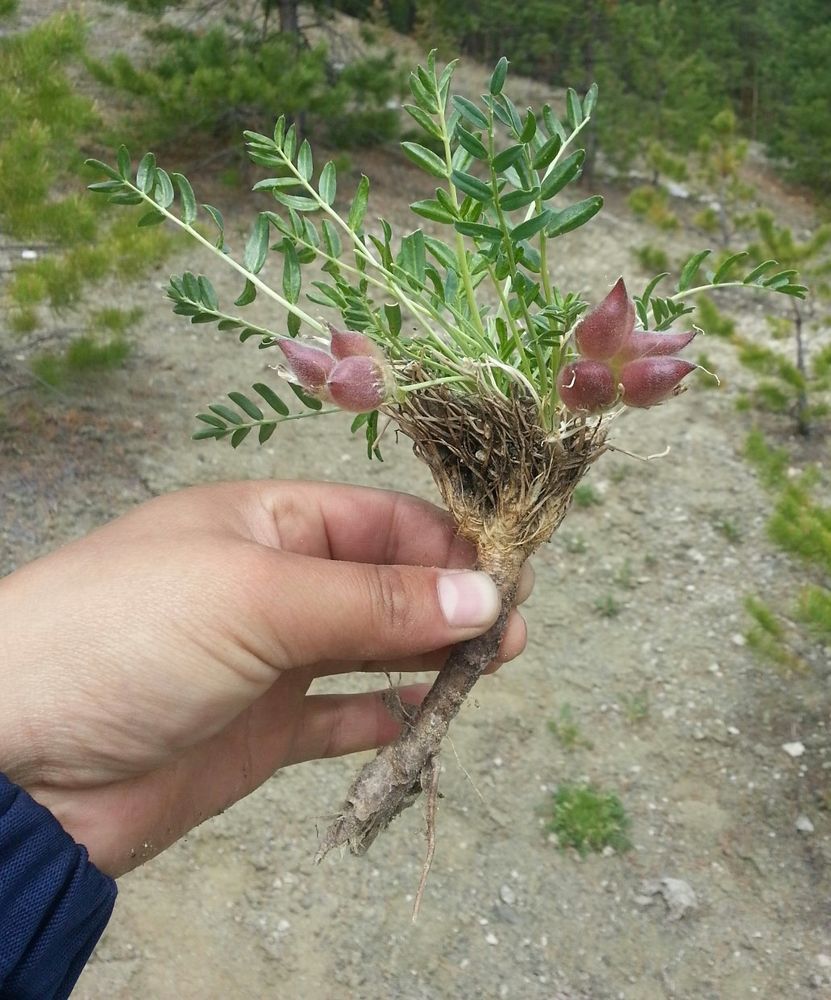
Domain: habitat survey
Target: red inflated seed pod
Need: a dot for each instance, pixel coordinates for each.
(309, 365)
(603, 332)
(648, 381)
(586, 386)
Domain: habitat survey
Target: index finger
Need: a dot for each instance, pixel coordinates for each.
(361, 524)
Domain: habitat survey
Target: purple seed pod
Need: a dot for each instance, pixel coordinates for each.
(310, 366)
(358, 384)
(647, 381)
(603, 331)
(349, 344)
(587, 386)
(646, 344)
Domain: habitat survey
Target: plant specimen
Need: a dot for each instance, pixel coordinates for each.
(465, 343)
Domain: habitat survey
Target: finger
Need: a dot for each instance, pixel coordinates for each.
(525, 585)
(337, 610)
(357, 524)
(512, 645)
(338, 724)
(513, 641)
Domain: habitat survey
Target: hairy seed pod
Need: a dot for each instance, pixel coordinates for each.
(358, 384)
(586, 386)
(602, 332)
(348, 344)
(646, 344)
(647, 381)
(310, 366)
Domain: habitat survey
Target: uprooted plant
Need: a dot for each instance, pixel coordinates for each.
(467, 345)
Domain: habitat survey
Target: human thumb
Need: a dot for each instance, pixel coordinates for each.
(325, 609)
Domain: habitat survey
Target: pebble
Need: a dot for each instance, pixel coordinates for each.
(678, 895)
(795, 749)
(507, 895)
(491, 938)
(804, 825)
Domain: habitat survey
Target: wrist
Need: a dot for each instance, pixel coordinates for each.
(18, 740)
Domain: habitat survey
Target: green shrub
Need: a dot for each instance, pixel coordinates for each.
(216, 82)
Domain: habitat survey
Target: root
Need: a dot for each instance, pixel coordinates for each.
(395, 778)
(432, 785)
(508, 484)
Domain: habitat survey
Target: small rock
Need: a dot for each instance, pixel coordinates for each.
(507, 895)
(28, 255)
(738, 640)
(491, 938)
(824, 961)
(804, 825)
(795, 749)
(678, 895)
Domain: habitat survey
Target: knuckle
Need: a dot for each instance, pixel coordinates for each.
(391, 599)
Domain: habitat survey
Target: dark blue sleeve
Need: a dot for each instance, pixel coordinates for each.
(54, 903)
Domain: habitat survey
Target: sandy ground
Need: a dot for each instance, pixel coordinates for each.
(675, 715)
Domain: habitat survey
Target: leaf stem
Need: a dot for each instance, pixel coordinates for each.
(261, 285)
(461, 248)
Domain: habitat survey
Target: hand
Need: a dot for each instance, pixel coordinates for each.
(157, 671)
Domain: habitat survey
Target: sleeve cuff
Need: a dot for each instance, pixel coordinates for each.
(54, 903)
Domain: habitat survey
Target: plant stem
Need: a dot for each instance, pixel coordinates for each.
(261, 285)
(512, 265)
(461, 249)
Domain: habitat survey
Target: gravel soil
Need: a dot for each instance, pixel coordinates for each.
(636, 635)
